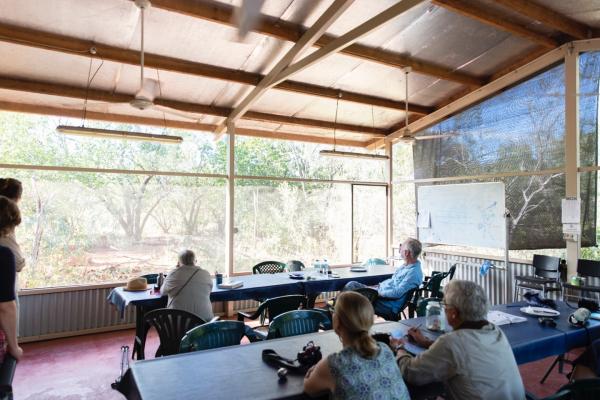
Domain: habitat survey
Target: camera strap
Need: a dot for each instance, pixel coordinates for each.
(271, 357)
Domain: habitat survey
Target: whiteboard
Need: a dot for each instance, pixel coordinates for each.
(469, 214)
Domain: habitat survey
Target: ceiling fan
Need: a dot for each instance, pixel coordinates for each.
(247, 16)
(407, 137)
(149, 88)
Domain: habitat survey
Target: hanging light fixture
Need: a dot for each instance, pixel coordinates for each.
(348, 154)
(139, 102)
(114, 134)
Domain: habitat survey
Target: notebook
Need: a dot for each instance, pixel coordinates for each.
(230, 284)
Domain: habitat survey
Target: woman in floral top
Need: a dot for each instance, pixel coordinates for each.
(364, 369)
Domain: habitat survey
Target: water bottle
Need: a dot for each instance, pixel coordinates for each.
(159, 281)
(325, 267)
(317, 265)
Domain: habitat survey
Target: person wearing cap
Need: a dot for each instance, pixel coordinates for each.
(189, 287)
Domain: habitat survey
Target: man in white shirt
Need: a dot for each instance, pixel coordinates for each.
(474, 360)
(189, 287)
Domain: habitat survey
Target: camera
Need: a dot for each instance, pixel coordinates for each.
(310, 355)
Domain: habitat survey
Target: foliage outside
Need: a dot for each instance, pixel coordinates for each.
(91, 227)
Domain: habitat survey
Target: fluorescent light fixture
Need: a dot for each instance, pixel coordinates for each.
(113, 134)
(350, 154)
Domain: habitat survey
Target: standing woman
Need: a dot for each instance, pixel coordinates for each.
(12, 189)
(10, 217)
(364, 369)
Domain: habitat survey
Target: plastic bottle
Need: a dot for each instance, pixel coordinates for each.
(317, 265)
(325, 267)
(434, 316)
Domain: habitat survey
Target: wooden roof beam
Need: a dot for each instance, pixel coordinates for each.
(79, 47)
(480, 13)
(284, 30)
(332, 13)
(548, 17)
(169, 123)
(99, 95)
(347, 39)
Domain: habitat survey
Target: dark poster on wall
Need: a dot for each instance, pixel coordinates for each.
(518, 132)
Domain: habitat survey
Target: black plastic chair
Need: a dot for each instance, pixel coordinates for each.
(213, 335)
(295, 265)
(268, 267)
(583, 389)
(405, 307)
(370, 293)
(271, 308)
(298, 322)
(586, 269)
(545, 278)
(171, 326)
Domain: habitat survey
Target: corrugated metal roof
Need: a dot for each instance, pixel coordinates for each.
(428, 33)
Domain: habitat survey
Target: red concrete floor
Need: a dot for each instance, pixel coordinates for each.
(84, 367)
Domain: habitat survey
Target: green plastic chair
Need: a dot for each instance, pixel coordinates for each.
(213, 335)
(295, 265)
(151, 279)
(171, 325)
(297, 322)
(268, 267)
(271, 308)
(374, 261)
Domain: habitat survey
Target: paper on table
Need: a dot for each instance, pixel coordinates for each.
(502, 318)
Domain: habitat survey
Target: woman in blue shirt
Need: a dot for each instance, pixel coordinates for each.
(364, 369)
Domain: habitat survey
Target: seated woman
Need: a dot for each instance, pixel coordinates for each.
(474, 360)
(189, 287)
(364, 369)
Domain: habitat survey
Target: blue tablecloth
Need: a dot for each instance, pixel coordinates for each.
(263, 286)
(532, 341)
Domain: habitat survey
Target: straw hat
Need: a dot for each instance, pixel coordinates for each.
(136, 284)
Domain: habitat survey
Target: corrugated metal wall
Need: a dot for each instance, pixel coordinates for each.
(468, 269)
(74, 312)
(58, 314)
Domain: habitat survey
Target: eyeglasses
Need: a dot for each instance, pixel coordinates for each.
(446, 305)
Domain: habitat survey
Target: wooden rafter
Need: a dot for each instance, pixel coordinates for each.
(332, 13)
(346, 40)
(283, 30)
(99, 95)
(548, 17)
(169, 123)
(480, 13)
(79, 47)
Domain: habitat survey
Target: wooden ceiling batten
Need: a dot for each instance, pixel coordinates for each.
(475, 11)
(332, 13)
(99, 95)
(169, 123)
(284, 30)
(80, 47)
(548, 17)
